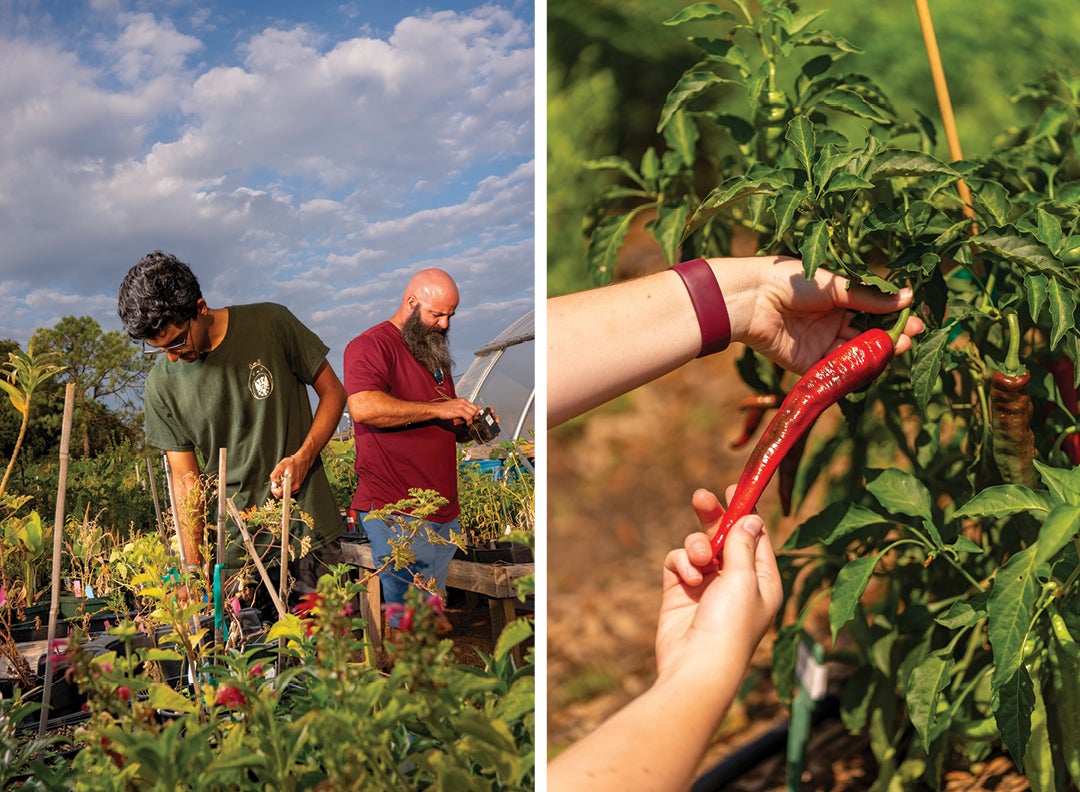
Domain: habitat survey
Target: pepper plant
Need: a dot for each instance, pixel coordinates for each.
(947, 546)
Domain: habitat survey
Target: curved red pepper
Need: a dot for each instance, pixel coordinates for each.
(850, 367)
(1065, 377)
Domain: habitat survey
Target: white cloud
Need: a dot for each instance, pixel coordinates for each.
(313, 167)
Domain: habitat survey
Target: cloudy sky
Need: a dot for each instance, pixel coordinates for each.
(310, 153)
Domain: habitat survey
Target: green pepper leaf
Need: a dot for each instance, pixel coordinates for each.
(605, 243)
(1012, 600)
(669, 227)
(851, 582)
(688, 87)
(814, 248)
(925, 686)
(800, 134)
(900, 492)
(1013, 701)
(681, 134)
(699, 11)
(1063, 483)
(1002, 500)
(833, 523)
(926, 365)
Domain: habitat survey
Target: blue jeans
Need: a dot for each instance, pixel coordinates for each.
(432, 560)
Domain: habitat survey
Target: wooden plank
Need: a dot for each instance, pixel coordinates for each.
(497, 582)
(491, 580)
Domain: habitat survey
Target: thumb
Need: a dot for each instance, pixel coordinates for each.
(740, 548)
(869, 299)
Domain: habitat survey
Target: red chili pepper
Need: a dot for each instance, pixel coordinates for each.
(754, 409)
(849, 368)
(1064, 373)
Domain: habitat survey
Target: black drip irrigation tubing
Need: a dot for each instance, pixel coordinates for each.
(768, 745)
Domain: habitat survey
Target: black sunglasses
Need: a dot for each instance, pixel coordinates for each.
(175, 345)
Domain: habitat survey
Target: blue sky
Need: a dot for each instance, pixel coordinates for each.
(308, 153)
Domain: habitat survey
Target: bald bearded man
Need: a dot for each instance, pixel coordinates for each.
(408, 420)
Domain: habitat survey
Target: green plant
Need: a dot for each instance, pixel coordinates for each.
(495, 506)
(25, 372)
(322, 721)
(954, 594)
(26, 763)
(339, 459)
(781, 171)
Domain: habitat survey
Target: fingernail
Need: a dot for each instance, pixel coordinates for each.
(753, 525)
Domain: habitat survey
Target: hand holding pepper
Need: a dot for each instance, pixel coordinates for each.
(704, 611)
(710, 623)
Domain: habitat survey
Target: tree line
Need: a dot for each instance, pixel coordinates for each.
(108, 372)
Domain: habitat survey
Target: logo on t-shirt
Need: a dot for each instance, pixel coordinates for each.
(260, 380)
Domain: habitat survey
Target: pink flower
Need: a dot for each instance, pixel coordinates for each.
(230, 697)
(435, 603)
(235, 604)
(3, 595)
(258, 668)
(395, 609)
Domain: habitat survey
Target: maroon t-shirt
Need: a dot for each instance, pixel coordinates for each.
(391, 461)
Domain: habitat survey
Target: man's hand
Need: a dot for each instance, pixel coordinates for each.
(296, 466)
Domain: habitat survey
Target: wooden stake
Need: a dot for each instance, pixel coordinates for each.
(250, 545)
(58, 535)
(948, 121)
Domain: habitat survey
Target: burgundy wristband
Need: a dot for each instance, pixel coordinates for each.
(709, 305)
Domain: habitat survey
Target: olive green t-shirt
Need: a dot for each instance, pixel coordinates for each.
(250, 396)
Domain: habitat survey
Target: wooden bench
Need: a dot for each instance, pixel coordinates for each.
(497, 582)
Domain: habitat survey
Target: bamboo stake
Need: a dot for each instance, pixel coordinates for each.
(948, 121)
(58, 534)
(250, 545)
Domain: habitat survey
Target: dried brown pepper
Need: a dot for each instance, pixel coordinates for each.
(1011, 409)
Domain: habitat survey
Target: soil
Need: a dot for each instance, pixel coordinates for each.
(619, 484)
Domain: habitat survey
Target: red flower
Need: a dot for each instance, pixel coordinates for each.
(308, 603)
(115, 756)
(258, 668)
(124, 692)
(230, 697)
(435, 603)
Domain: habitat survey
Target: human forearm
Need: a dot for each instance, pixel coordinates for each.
(657, 741)
(380, 410)
(606, 342)
(328, 413)
(188, 505)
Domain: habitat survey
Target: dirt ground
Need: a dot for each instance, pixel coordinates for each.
(619, 486)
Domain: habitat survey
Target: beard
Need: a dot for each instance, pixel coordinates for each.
(429, 345)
